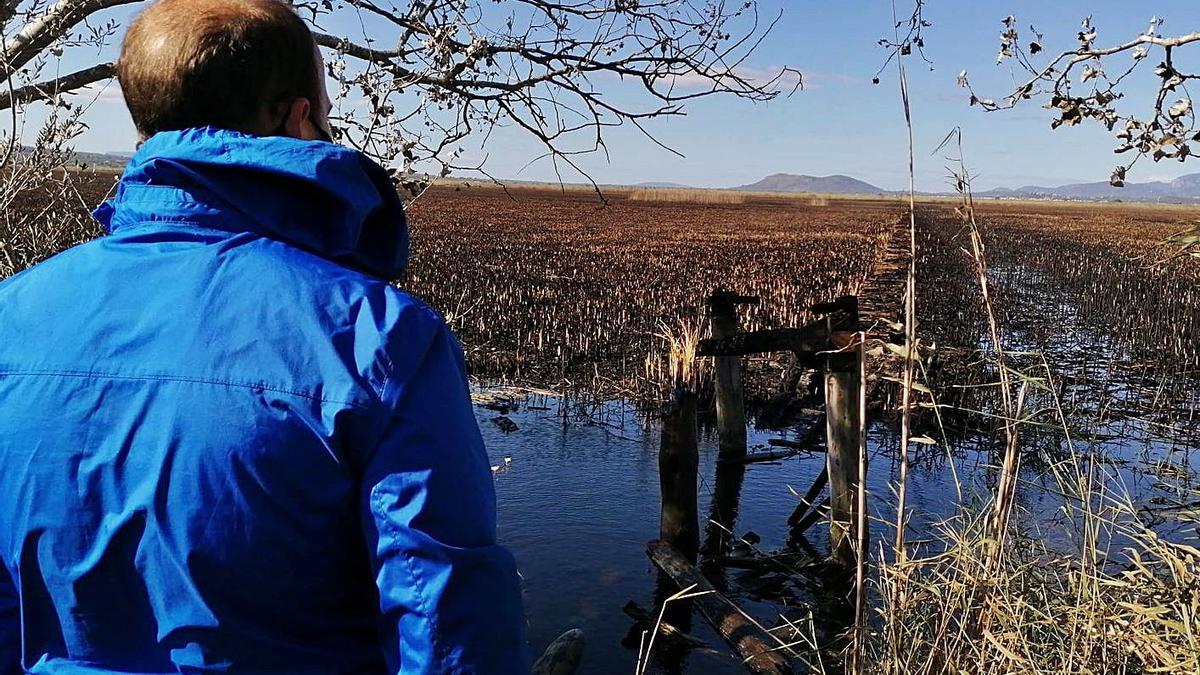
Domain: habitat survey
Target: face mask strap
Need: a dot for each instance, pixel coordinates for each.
(322, 134)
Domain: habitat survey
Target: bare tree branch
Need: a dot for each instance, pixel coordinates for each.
(51, 88)
(1164, 134)
(461, 71)
(8, 9)
(420, 78)
(44, 28)
(342, 44)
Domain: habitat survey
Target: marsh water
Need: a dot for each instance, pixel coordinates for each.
(580, 500)
(579, 496)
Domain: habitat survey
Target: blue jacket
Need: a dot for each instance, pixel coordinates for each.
(228, 445)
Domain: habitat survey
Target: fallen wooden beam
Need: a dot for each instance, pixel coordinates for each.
(758, 649)
(809, 519)
(846, 303)
(835, 331)
(810, 498)
(647, 622)
(761, 456)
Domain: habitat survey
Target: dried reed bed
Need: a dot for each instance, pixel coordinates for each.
(1097, 589)
(1113, 260)
(1133, 320)
(687, 196)
(555, 287)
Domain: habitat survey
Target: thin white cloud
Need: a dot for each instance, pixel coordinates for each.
(783, 79)
(102, 92)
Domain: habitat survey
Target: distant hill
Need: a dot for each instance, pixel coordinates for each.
(106, 160)
(1182, 190)
(661, 184)
(837, 184)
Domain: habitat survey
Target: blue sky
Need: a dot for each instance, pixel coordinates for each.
(841, 123)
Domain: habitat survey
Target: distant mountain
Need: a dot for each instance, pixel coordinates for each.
(661, 184)
(1182, 190)
(837, 184)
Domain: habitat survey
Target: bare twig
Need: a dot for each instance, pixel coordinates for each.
(1163, 134)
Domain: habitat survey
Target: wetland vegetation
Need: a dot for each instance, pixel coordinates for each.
(565, 294)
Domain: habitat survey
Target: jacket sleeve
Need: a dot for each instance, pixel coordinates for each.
(10, 625)
(449, 595)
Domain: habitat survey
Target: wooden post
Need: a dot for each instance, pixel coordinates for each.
(843, 428)
(678, 463)
(731, 406)
(842, 419)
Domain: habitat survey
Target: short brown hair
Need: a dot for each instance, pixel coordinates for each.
(220, 63)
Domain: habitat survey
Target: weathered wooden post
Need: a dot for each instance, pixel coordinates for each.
(843, 425)
(731, 405)
(678, 463)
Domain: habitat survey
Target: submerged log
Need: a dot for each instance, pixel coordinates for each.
(505, 423)
(758, 649)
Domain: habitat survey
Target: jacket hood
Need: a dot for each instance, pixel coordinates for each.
(321, 197)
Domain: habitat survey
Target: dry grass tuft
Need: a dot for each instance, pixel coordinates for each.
(682, 368)
(1044, 611)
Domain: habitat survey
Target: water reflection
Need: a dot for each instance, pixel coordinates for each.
(723, 511)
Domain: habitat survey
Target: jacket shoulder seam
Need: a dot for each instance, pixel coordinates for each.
(162, 377)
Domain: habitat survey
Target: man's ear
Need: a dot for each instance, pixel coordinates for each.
(297, 124)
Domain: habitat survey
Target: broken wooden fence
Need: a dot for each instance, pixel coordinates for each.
(832, 344)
